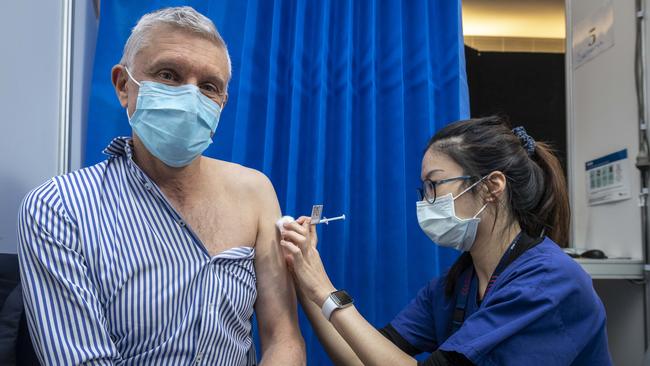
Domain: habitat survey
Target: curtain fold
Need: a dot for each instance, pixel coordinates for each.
(335, 102)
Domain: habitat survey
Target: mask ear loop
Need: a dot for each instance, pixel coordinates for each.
(136, 83)
(480, 211)
(470, 187)
(131, 76)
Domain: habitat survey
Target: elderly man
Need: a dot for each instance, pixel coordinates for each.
(158, 255)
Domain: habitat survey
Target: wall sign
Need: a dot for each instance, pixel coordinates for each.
(608, 178)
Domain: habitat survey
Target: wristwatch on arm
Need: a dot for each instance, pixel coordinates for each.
(336, 300)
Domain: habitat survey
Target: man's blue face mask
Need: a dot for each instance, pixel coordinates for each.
(175, 123)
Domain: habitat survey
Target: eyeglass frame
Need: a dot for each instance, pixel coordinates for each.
(421, 191)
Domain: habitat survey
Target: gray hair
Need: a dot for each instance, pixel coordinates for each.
(183, 17)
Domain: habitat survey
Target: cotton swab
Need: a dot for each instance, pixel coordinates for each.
(284, 219)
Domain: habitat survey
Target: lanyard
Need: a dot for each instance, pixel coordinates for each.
(469, 282)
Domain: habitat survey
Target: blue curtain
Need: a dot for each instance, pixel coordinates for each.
(334, 101)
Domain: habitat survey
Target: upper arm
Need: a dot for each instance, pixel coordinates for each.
(276, 300)
(63, 312)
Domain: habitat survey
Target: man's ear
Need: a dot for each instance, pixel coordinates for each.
(496, 186)
(225, 101)
(119, 79)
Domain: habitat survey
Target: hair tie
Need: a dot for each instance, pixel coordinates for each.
(526, 141)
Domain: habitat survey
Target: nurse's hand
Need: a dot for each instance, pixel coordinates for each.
(299, 241)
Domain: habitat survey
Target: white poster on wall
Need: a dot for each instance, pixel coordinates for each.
(593, 35)
(608, 178)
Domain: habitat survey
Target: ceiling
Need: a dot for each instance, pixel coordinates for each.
(514, 18)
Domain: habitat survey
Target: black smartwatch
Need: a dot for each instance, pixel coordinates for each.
(336, 300)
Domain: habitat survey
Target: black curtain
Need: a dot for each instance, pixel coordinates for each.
(528, 88)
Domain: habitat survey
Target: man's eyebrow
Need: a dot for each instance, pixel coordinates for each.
(165, 62)
(216, 79)
(179, 66)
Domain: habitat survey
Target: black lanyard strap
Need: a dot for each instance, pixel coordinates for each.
(463, 294)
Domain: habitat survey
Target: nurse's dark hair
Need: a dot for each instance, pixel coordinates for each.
(535, 195)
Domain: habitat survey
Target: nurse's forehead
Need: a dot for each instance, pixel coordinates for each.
(436, 164)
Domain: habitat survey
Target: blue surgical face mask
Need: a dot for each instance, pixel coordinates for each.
(439, 221)
(175, 123)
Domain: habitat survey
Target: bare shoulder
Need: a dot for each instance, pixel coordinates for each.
(241, 179)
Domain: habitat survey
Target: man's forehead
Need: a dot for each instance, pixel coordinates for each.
(174, 47)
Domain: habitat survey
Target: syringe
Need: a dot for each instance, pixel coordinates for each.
(325, 220)
(280, 223)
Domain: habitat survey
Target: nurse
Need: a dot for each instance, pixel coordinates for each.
(512, 297)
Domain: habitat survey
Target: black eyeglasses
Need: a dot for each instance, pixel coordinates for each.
(428, 190)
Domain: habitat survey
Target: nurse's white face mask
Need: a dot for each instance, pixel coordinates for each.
(439, 221)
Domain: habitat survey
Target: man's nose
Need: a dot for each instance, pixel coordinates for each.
(192, 80)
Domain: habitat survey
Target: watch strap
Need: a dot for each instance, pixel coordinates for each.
(328, 307)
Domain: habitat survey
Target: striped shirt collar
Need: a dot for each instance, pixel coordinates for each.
(120, 146)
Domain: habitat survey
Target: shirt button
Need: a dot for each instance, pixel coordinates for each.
(199, 358)
(181, 223)
(148, 186)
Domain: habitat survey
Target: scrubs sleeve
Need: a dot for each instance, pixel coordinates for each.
(415, 323)
(541, 312)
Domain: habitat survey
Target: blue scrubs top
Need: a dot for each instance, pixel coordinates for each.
(542, 310)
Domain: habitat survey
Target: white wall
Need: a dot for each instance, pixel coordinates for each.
(83, 56)
(31, 36)
(602, 119)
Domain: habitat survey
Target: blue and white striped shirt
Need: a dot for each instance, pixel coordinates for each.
(112, 275)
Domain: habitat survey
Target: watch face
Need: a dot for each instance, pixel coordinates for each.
(341, 298)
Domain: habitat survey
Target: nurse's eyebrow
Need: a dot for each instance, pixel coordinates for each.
(428, 176)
